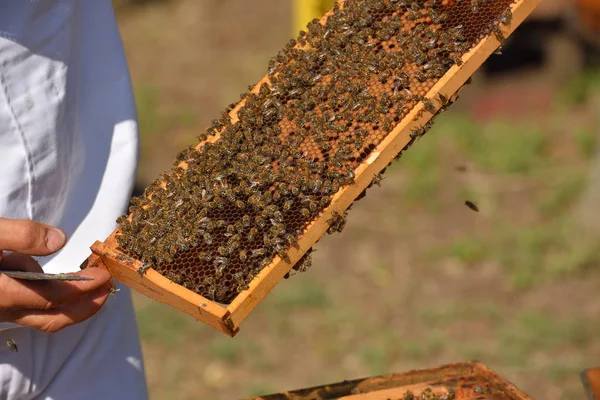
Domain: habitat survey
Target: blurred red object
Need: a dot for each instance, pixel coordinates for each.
(513, 102)
(591, 382)
(589, 12)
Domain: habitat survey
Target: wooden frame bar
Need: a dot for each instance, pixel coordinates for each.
(228, 318)
(468, 381)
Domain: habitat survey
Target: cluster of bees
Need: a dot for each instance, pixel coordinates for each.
(229, 206)
(428, 394)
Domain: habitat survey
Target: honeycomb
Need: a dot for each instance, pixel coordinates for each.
(229, 206)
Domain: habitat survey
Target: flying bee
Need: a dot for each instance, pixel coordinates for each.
(472, 205)
(112, 291)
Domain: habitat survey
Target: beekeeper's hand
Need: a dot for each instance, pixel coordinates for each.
(45, 305)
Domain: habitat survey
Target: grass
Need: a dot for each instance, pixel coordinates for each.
(146, 99)
(587, 142)
(561, 197)
(381, 274)
(427, 345)
(165, 326)
(469, 251)
(508, 148)
(257, 389)
(460, 311)
(226, 350)
(581, 88)
(532, 332)
(307, 294)
(423, 175)
(378, 351)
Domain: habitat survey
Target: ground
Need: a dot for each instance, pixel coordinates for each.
(416, 279)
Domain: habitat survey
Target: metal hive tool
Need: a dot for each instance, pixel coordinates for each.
(239, 210)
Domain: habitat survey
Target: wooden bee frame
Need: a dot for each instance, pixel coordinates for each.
(471, 380)
(228, 318)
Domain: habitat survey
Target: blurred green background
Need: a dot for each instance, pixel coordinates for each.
(416, 279)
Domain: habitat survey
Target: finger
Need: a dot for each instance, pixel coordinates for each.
(45, 295)
(20, 262)
(52, 321)
(30, 237)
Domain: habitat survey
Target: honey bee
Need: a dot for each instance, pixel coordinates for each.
(208, 239)
(258, 252)
(497, 31)
(337, 222)
(112, 291)
(472, 205)
(304, 263)
(429, 106)
(12, 346)
(252, 234)
(506, 17)
(417, 132)
(377, 179)
(408, 395)
(142, 270)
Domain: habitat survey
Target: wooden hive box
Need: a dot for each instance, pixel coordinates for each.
(228, 318)
(465, 381)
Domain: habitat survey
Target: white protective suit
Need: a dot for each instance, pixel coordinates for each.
(68, 152)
